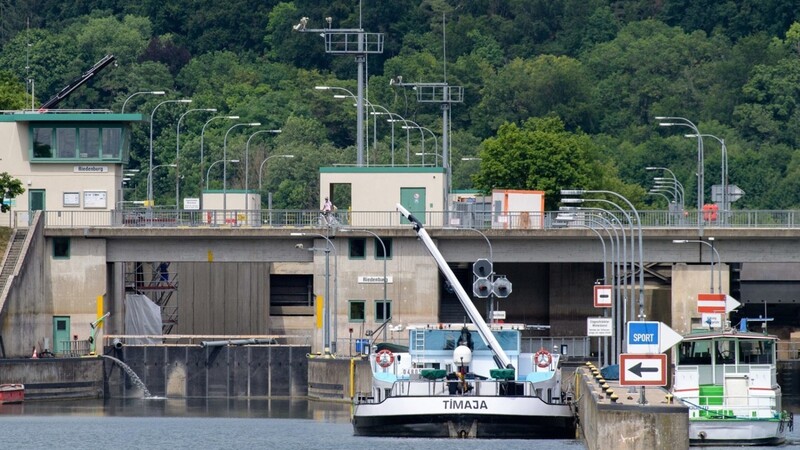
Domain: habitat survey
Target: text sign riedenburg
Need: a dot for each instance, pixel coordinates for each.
(642, 370)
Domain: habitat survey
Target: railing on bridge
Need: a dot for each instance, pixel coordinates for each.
(391, 219)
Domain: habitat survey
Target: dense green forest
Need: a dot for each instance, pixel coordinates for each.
(557, 93)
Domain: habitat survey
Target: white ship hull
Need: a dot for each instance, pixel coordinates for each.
(464, 416)
(736, 432)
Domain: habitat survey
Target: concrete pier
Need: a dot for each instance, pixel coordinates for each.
(617, 420)
(329, 378)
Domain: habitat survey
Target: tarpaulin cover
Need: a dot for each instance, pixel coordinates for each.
(142, 317)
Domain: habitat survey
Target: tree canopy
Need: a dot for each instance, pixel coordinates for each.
(557, 94)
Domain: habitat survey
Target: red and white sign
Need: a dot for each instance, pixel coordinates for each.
(642, 370)
(602, 296)
(711, 303)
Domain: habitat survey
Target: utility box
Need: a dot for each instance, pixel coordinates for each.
(517, 209)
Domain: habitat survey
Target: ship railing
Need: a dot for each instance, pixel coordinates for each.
(414, 386)
(731, 407)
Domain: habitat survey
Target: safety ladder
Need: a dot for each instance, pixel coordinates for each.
(418, 344)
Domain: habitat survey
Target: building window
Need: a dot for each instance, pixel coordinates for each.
(357, 311)
(59, 142)
(379, 248)
(358, 248)
(379, 315)
(61, 248)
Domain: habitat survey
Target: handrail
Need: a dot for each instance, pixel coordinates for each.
(481, 220)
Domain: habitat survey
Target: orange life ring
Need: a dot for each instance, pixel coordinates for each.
(384, 358)
(543, 358)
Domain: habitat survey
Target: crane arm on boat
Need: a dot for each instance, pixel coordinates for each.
(500, 357)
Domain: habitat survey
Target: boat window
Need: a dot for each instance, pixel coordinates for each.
(755, 351)
(694, 352)
(447, 339)
(725, 351)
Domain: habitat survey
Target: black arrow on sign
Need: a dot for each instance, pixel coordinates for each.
(638, 369)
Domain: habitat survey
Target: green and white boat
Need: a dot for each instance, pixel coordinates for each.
(728, 380)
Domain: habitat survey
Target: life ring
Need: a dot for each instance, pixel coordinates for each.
(384, 358)
(543, 358)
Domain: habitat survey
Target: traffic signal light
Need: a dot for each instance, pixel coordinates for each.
(482, 287)
(501, 287)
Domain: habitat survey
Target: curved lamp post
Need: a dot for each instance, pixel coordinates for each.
(139, 93)
(233, 161)
(684, 122)
(202, 155)
(723, 170)
(225, 164)
(178, 153)
(261, 166)
(719, 260)
(150, 178)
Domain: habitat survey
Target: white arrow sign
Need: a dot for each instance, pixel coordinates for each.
(731, 303)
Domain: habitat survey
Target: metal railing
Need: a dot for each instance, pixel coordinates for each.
(775, 219)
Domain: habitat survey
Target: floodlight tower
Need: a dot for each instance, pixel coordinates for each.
(349, 41)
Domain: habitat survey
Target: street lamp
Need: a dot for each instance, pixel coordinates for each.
(139, 93)
(326, 332)
(719, 260)
(150, 177)
(247, 158)
(723, 170)
(202, 160)
(366, 129)
(700, 181)
(225, 164)
(385, 257)
(638, 223)
(261, 166)
(178, 153)
(234, 161)
(435, 139)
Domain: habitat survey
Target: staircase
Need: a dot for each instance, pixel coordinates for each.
(10, 261)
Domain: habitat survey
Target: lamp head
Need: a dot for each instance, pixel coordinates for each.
(572, 192)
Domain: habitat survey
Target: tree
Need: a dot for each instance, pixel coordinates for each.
(12, 92)
(10, 187)
(542, 155)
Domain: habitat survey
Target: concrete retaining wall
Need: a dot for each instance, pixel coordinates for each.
(195, 371)
(55, 378)
(604, 425)
(329, 379)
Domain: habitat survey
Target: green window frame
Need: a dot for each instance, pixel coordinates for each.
(357, 311)
(357, 247)
(52, 142)
(387, 242)
(379, 310)
(61, 248)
